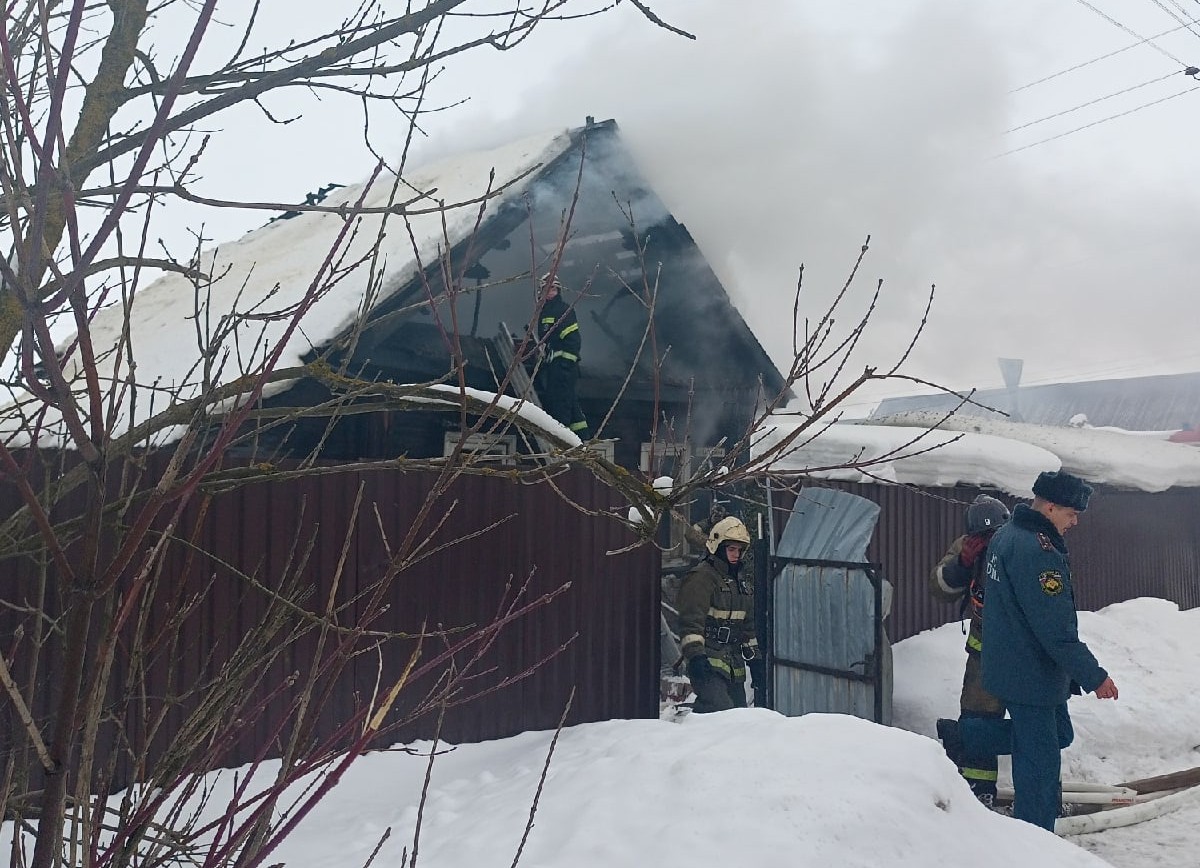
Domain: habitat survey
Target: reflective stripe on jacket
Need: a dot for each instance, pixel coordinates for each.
(558, 330)
(716, 618)
(950, 582)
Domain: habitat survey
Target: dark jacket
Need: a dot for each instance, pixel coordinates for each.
(558, 330)
(1033, 652)
(953, 582)
(716, 617)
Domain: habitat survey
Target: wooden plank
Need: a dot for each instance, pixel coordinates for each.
(1171, 781)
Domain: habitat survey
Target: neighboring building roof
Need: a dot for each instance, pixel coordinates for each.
(924, 448)
(1141, 462)
(915, 455)
(1158, 403)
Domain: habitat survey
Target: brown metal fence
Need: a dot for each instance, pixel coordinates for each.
(1128, 544)
(598, 638)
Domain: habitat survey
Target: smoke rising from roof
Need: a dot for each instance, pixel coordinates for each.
(784, 136)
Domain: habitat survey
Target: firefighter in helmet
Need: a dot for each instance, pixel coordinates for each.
(558, 375)
(958, 577)
(716, 622)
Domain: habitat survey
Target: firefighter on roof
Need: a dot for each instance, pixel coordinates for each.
(561, 342)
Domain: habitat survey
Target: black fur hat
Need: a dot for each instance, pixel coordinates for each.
(1063, 489)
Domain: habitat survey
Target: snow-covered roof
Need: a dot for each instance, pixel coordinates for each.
(991, 453)
(1106, 457)
(376, 264)
(905, 455)
(271, 269)
(1163, 401)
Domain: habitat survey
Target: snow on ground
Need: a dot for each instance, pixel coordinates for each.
(1149, 648)
(742, 788)
(753, 788)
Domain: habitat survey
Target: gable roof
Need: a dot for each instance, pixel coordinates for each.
(623, 248)
(267, 272)
(1158, 403)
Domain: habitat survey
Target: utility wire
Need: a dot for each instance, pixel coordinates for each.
(1141, 41)
(1093, 102)
(1182, 11)
(1132, 33)
(1101, 121)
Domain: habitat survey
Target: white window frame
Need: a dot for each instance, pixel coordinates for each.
(501, 448)
(661, 450)
(606, 449)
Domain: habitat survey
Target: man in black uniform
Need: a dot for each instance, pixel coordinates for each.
(558, 335)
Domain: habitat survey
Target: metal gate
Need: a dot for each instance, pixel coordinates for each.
(825, 611)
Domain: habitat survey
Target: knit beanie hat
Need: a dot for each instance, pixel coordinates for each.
(1063, 488)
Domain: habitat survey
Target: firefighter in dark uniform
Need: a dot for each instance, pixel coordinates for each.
(958, 578)
(1033, 659)
(716, 622)
(560, 340)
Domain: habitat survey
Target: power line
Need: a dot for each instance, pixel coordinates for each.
(1142, 41)
(1093, 102)
(1132, 33)
(1101, 121)
(1182, 12)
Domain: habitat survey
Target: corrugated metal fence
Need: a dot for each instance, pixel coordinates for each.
(1128, 544)
(598, 638)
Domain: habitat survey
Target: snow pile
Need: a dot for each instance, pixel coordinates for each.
(1149, 648)
(1098, 455)
(746, 787)
(906, 455)
(750, 787)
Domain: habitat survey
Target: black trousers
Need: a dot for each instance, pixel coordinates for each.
(715, 692)
(557, 391)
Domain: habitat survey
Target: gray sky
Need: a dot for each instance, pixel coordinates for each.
(789, 131)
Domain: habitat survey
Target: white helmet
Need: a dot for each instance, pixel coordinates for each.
(727, 530)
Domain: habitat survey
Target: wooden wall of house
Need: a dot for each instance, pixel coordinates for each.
(599, 637)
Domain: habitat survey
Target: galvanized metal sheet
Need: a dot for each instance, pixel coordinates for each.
(830, 525)
(825, 614)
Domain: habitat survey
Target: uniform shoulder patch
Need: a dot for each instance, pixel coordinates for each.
(1044, 542)
(1051, 582)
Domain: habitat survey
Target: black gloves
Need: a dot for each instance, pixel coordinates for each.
(698, 668)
